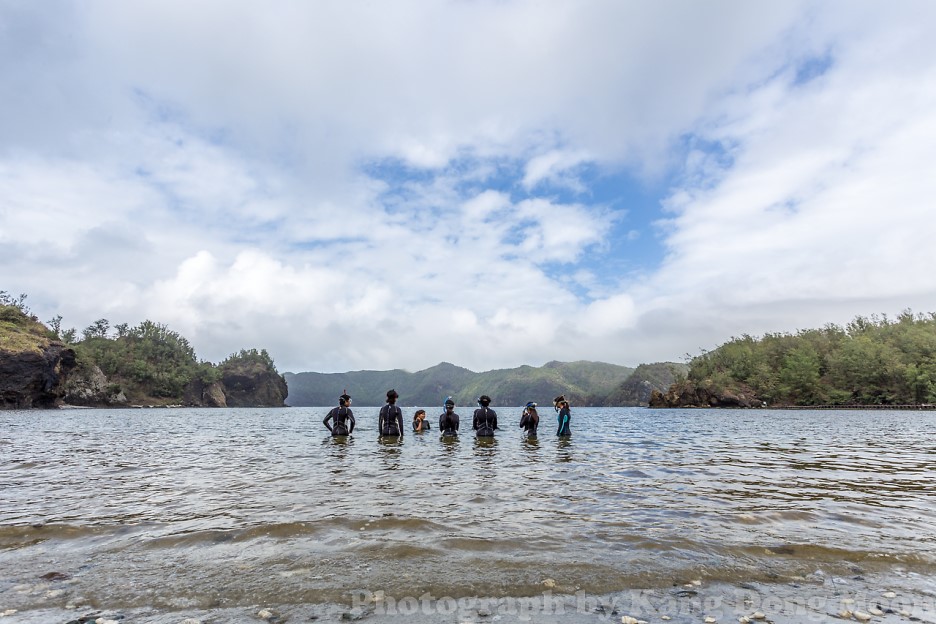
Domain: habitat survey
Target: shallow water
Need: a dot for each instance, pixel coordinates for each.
(173, 509)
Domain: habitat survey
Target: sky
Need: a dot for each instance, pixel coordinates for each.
(374, 185)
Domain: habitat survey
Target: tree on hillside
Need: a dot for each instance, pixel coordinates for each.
(6, 299)
(248, 356)
(97, 329)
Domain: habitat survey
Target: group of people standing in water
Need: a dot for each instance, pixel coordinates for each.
(340, 420)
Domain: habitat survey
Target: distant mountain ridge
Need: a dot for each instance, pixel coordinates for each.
(584, 383)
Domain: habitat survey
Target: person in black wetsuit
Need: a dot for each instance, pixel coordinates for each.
(485, 419)
(529, 420)
(420, 423)
(448, 420)
(564, 415)
(390, 421)
(342, 416)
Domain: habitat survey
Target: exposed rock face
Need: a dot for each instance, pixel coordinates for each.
(89, 386)
(688, 395)
(31, 379)
(201, 394)
(637, 388)
(253, 385)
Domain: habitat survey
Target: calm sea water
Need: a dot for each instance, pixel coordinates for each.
(209, 509)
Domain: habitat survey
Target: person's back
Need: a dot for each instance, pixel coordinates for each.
(342, 416)
(390, 420)
(448, 420)
(485, 419)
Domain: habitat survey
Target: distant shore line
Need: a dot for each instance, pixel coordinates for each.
(903, 406)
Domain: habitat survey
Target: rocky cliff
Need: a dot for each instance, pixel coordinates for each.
(686, 394)
(251, 384)
(145, 365)
(33, 366)
(637, 389)
(31, 379)
(201, 394)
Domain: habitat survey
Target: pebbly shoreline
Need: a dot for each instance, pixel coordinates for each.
(898, 597)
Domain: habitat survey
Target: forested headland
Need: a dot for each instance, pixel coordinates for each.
(871, 361)
(148, 364)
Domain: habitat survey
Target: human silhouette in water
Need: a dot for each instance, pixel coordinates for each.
(529, 420)
(564, 415)
(342, 416)
(448, 420)
(485, 419)
(390, 420)
(420, 424)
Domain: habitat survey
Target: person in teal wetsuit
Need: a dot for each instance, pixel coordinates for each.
(564, 415)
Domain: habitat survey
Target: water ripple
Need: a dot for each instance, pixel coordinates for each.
(243, 504)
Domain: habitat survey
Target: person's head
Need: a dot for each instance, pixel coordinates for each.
(449, 404)
(392, 396)
(419, 415)
(559, 402)
(344, 400)
(484, 400)
(531, 407)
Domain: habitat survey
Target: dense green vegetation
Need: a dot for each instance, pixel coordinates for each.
(249, 358)
(147, 363)
(150, 359)
(870, 361)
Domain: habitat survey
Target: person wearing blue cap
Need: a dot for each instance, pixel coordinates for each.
(448, 420)
(529, 420)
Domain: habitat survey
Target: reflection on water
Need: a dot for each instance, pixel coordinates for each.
(241, 506)
(564, 449)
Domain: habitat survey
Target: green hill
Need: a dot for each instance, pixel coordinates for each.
(583, 383)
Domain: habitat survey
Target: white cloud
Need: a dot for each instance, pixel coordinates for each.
(827, 197)
(557, 167)
(359, 185)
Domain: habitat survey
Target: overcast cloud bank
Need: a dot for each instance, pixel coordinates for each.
(354, 185)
